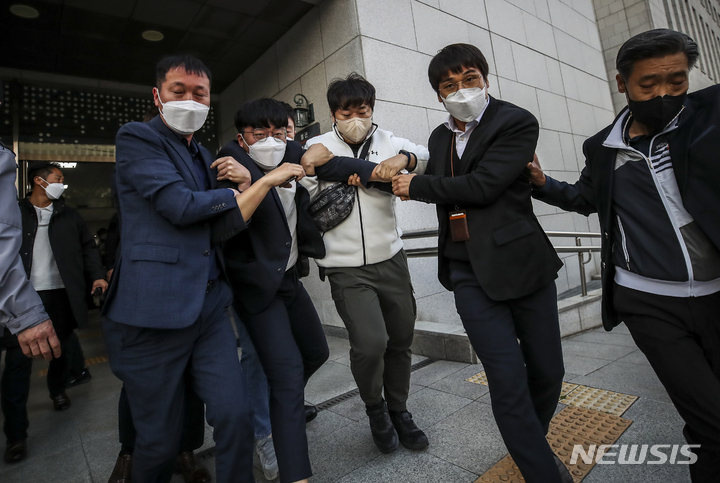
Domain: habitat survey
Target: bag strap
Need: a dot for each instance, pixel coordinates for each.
(365, 149)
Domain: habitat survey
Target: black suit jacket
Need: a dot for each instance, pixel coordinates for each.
(693, 151)
(256, 258)
(509, 252)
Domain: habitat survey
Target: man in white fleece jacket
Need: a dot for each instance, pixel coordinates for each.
(367, 266)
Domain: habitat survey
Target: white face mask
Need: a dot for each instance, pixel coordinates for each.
(184, 117)
(354, 129)
(267, 153)
(54, 190)
(466, 105)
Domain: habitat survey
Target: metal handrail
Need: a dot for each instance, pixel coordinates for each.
(578, 248)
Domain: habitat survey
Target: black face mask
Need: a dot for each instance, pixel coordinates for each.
(656, 113)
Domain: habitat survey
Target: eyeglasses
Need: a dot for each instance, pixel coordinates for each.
(260, 134)
(471, 81)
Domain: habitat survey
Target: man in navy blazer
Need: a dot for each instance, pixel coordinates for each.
(165, 313)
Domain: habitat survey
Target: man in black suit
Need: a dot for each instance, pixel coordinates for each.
(493, 254)
(654, 180)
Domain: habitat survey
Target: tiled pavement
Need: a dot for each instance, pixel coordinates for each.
(80, 445)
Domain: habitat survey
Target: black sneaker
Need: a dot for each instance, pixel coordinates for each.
(383, 432)
(410, 435)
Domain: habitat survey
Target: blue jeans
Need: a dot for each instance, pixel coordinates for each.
(255, 382)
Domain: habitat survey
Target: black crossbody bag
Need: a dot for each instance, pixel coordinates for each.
(334, 204)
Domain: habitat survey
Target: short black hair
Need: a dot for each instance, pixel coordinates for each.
(289, 109)
(191, 65)
(261, 113)
(44, 170)
(652, 44)
(453, 58)
(352, 91)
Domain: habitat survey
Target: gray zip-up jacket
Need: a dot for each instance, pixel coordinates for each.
(20, 305)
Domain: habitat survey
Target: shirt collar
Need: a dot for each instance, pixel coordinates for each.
(450, 121)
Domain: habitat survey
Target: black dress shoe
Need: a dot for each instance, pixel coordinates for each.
(123, 467)
(15, 452)
(84, 377)
(565, 475)
(192, 471)
(61, 402)
(310, 412)
(410, 435)
(383, 431)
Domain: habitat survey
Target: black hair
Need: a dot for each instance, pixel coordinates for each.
(453, 59)
(191, 65)
(653, 44)
(44, 170)
(289, 109)
(352, 91)
(261, 113)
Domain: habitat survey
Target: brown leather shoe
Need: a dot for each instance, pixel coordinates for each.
(192, 471)
(121, 472)
(61, 402)
(15, 452)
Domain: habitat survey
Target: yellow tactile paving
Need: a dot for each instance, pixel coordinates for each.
(88, 362)
(571, 426)
(478, 378)
(89, 335)
(567, 388)
(599, 399)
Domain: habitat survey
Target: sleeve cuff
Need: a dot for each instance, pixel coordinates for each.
(29, 318)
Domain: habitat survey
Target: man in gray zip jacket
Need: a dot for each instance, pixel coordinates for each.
(21, 313)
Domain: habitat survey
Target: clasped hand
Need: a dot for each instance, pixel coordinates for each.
(229, 168)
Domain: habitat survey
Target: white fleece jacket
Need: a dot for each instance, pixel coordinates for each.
(370, 234)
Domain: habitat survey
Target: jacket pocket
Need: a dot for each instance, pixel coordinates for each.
(155, 253)
(513, 231)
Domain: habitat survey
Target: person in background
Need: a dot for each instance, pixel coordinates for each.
(653, 178)
(493, 253)
(367, 266)
(25, 329)
(291, 121)
(60, 258)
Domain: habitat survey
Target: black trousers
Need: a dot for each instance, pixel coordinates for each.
(525, 377)
(57, 306)
(193, 434)
(156, 364)
(681, 339)
(291, 345)
(14, 389)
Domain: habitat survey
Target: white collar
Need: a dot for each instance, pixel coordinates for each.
(615, 138)
(450, 121)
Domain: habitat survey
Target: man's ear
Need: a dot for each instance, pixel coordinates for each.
(439, 98)
(621, 84)
(156, 97)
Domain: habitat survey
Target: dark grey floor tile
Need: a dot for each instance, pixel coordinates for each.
(429, 406)
(339, 347)
(583, 365)
(633, 379)
(608, 352)
(66, 465)
(409, 467)
(339, 453)
(435, 371)
(635, 357)
(604, 337)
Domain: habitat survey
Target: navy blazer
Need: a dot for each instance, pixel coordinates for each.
(256, 258)
(162, 271)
